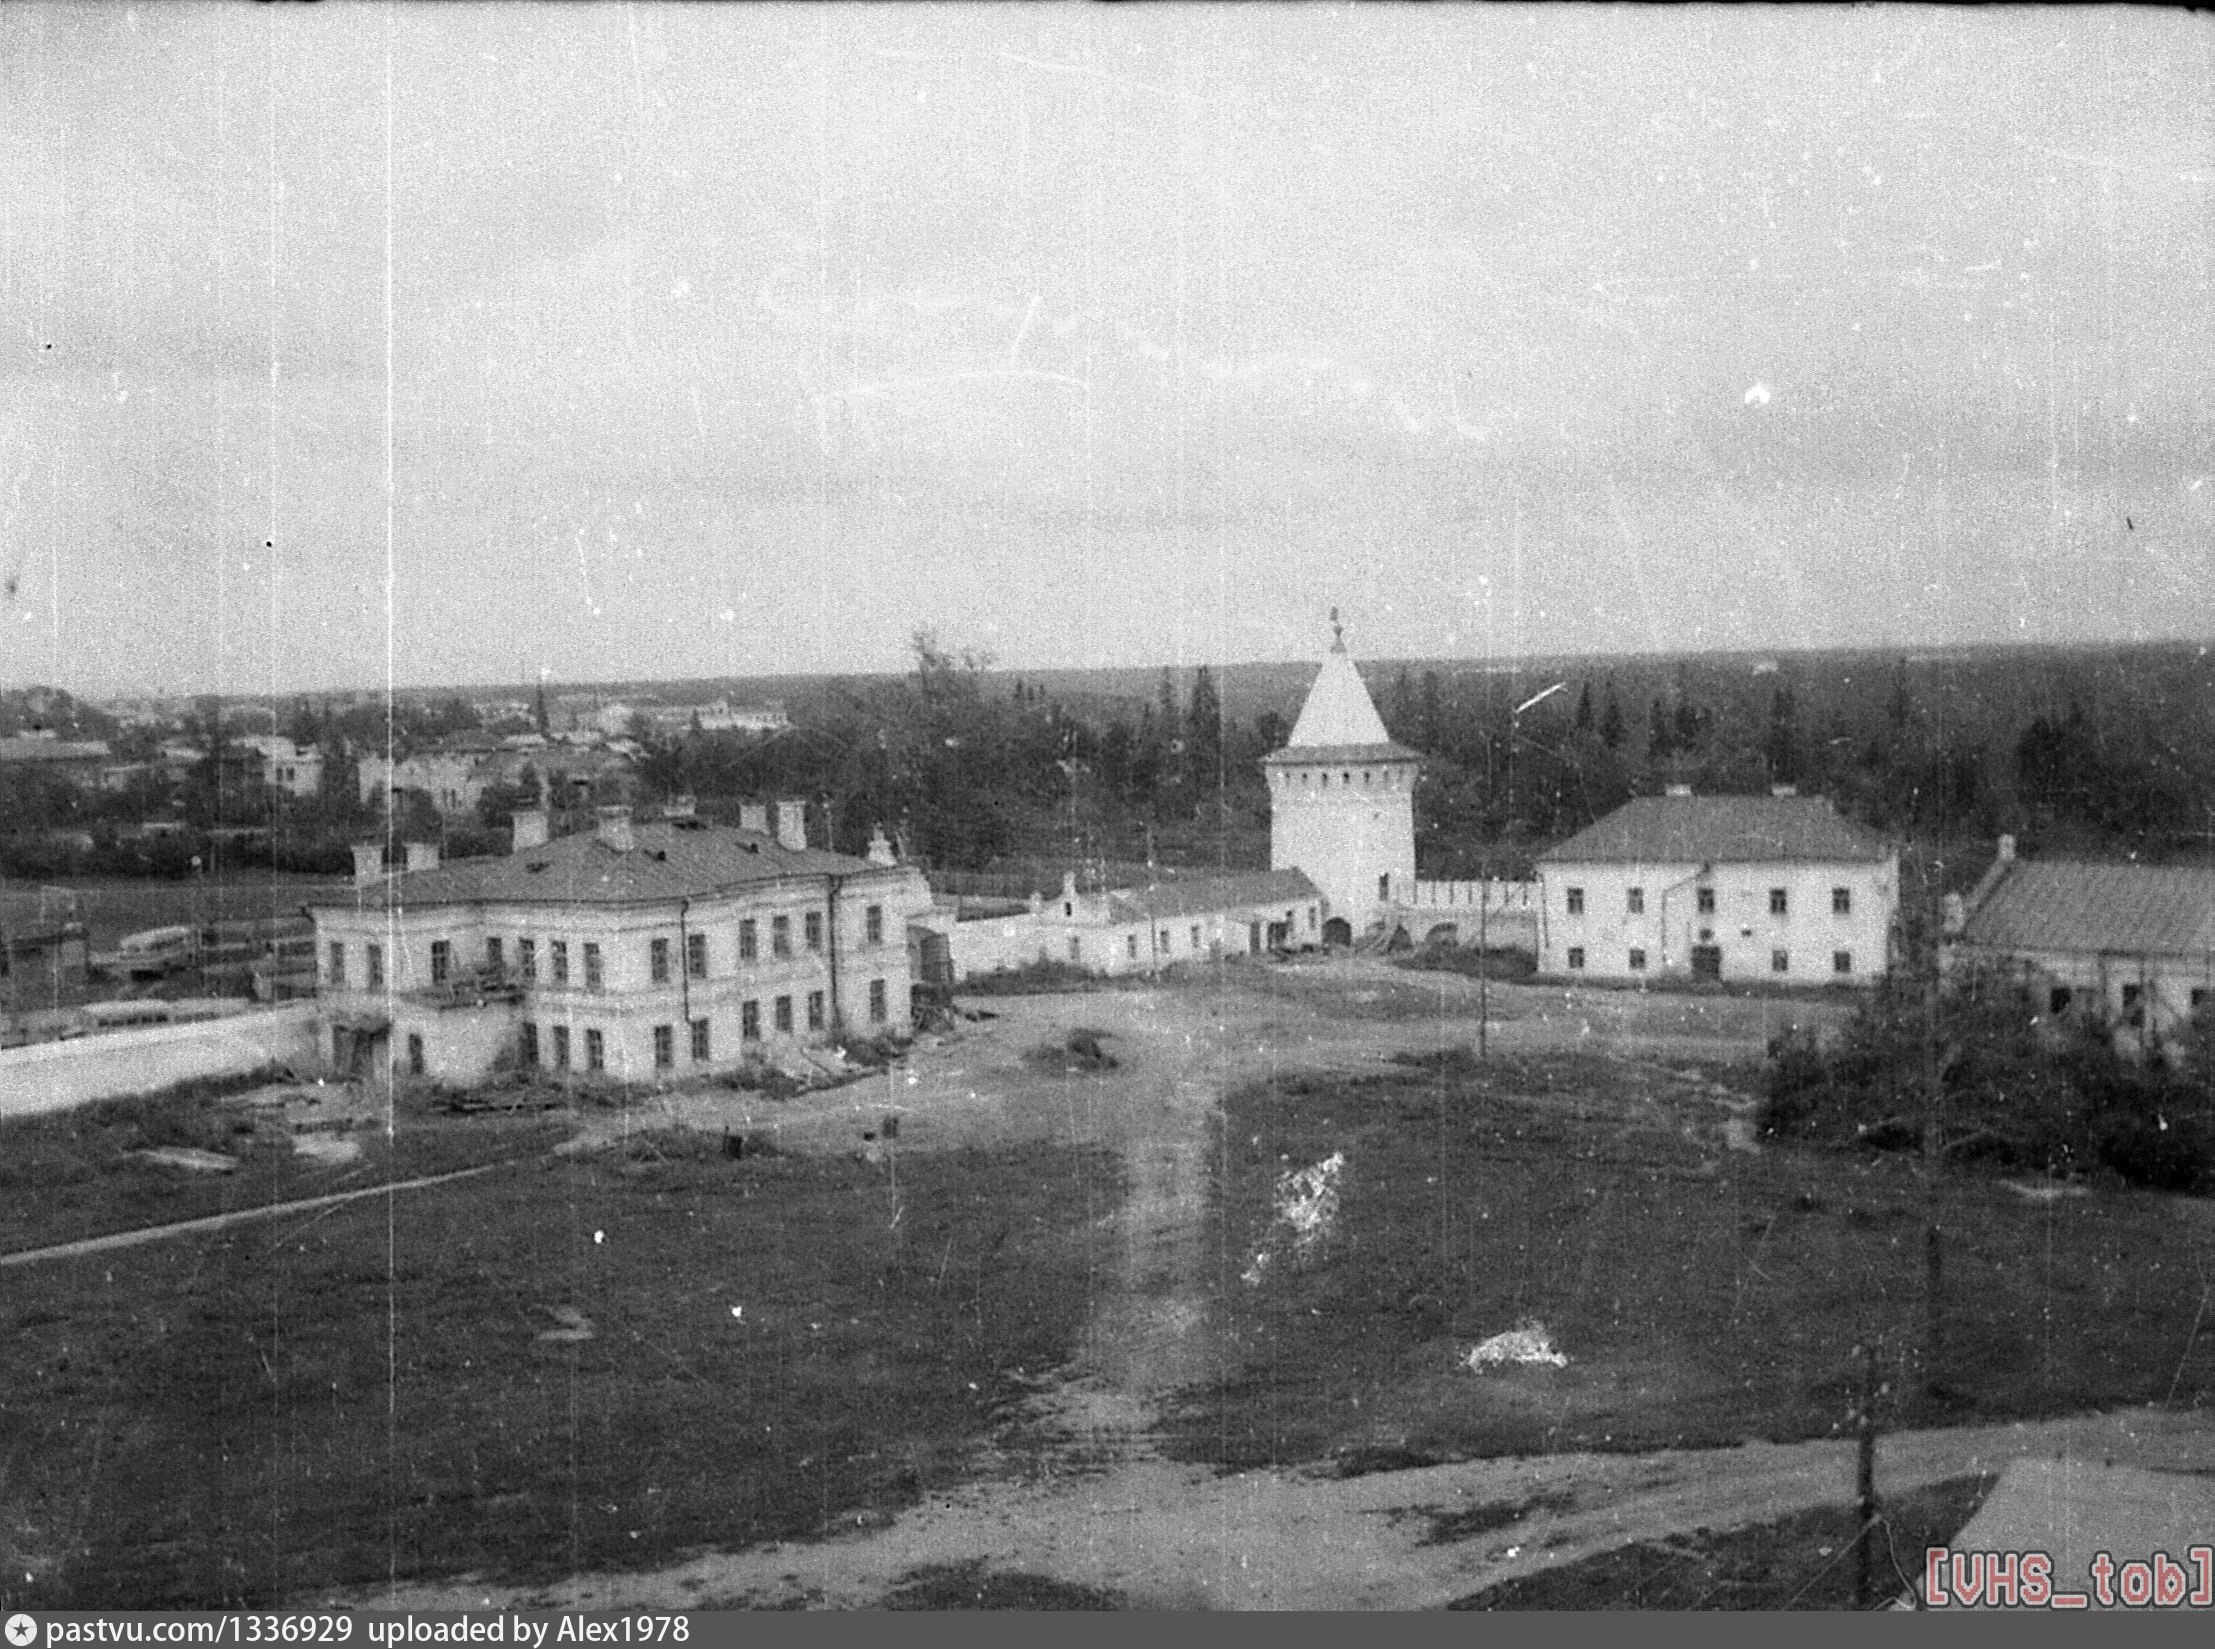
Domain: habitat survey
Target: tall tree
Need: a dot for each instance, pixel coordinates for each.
(1660, 742)
(1611, 719)
(1203, 731)
(1584, 709)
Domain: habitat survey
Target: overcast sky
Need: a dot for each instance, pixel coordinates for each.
(616, 341)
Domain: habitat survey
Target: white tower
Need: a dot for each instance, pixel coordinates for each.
(1342, 799)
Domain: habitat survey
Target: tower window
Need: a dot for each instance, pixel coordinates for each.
(1576, 901)
(1635, 901)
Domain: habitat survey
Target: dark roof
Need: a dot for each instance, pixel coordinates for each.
(2135, 909)
(1198, 895)
(667, 862)
(1340, 755)
(1720, 829)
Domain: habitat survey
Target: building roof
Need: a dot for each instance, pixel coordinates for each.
(1339, 721)
(2055, 905)
(51, 750)
(1200, 895)
(1722, 830)
(668, 861)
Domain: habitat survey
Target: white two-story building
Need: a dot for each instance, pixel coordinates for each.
(641, 952)
(1775, 888)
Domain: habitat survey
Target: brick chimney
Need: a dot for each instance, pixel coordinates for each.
(615, 828)
(754, 816)
(422, 856)
(530, 829)
(369, 863)
(792, 823)
(880, 850)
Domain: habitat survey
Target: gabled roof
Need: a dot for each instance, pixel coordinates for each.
(51, 750)
(1721, 829)
(667, 862)
(2056, 905)
(1199, 895)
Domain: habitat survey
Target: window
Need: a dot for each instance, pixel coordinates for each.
(780, 936)
(815, 930)
(665, 1047)
(873, 924)
(496, 964)
(1384, 886)
(749, 1022)
(415, 1054)
(877, 1009)
(1253, 938)
(1635, 901)
(700, 1040)
(1576, 956)
(1195, 938)
(815, 1010)
(526, 958)
(527, 1045)
(1076, 949)
(746, 945)
(657, 961)
(1576, 901)
(596, 1051)
(2058, 999)
(376, 964)
(1777, 902)
(1707, 901)
(338, 963)
(442, 961)
(1311, 919)
(2134, 1008)
(784, 1015)
(1841, 961)
(1163, 940)
(1637, 960)
(557, 955)
(1780, 961)
(1068, 909)
(696, 955)
(561, 1047)
(1130, 945)
(592, 966)
(1841, 901)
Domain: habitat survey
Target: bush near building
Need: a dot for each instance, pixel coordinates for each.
(2014, 1089)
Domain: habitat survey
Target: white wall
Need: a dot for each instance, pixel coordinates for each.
(52, 1076)
(1346, 827)
(1810, 933)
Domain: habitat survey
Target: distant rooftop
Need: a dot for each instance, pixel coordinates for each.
(2057, 905)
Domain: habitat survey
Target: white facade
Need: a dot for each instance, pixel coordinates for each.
(450, 990)
(1781, 923)
(296, 769)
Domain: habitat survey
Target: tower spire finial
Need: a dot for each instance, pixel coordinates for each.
(1338, 633)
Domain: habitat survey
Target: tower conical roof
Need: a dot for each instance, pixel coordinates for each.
(1339, 722)
(1339, 709)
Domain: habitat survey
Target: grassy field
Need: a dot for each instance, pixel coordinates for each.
(567, 1364)
(73, 1174)
(1702, 1295)
(1800, 1562)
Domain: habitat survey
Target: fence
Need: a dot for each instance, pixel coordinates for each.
(52, 1076)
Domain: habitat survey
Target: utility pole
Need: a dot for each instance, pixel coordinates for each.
(1865, 1483)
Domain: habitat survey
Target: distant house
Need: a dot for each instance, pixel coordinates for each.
(1776, 888)
(2133, 945)
(638, 951)
(456, 774)
(78, 762)
(296, 769)
(1142, 930)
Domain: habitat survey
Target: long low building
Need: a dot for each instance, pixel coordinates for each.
(642, 952)
(1143, 930)
(2133, 945)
